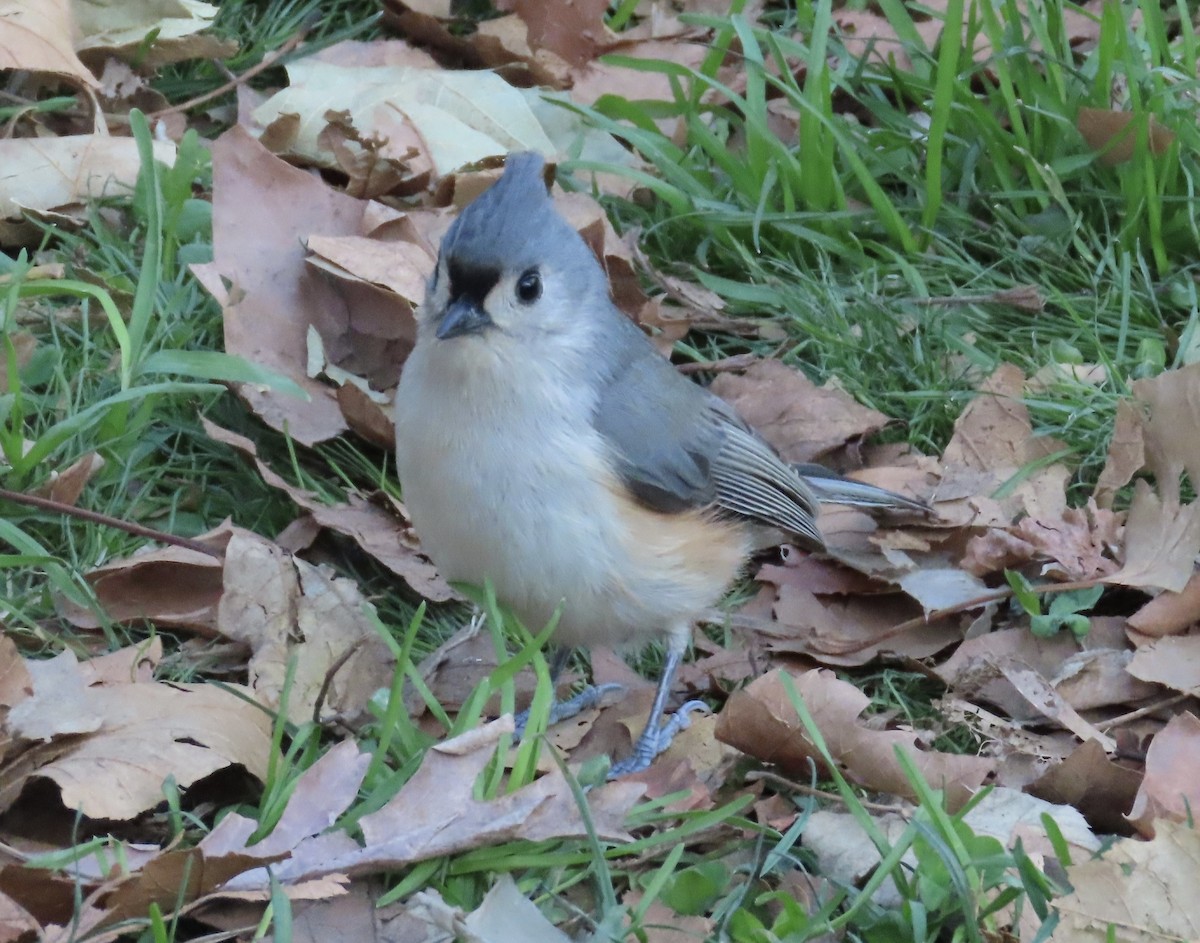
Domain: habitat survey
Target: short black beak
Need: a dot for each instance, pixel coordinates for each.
(463, 316)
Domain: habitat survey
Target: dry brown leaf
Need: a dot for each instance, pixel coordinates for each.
(413, 824)
(1086, 674)
(16, 923)
(996, 549)
(173, 587)
(994, 438)
(139, 734)
(1169, 613)
(761, 721)
(574, 31)
(385, 534)
(598, 78)
(661, 924)
(59, 175)
(1114, 134)
(297, 618)
(371, 162)
(16, 684)
(435, 814)
(66, 486)
(1094, 784)
(122, 29)
(503, 44)
(263, 212)
(1170, 790)
(1081, 542)
(321, 794)
(1048, 703)
(37, 37)
(1172, 402)
(1162, 539)
(1126, 454)
(24, 343)
(354, 53)
(1173, 661)
(819, 576)
(1137, 892)
(802, 421)
(851, 631)
(455, 117)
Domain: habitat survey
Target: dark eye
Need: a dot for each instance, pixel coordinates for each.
(529, 286)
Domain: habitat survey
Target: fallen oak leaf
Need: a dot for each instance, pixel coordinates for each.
(802, 421)
(761, 720)
(1135, 891)
(136, 736)
(38, 38)
(1173, 661)
(1170, 790)
(1169, 613)
(993, 437)
(173, 587)
(436, 813)
(296, 618)
(1092, 782)
(543, 809)
(1114, 134)
(385, 536)
(1162, 538)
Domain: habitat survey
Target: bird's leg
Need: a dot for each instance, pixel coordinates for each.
(589, 697)
(658, 736)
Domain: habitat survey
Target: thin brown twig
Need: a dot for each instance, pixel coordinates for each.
(1144, 711)
(790, 784)
(724, 365)
(262, 65)
(329, 676)
(95, 517)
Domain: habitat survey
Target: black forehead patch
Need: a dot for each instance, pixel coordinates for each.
(474, 281)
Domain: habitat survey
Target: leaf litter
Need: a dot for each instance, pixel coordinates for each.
(319, 281)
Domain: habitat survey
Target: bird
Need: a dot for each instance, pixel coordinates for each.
(544, 445)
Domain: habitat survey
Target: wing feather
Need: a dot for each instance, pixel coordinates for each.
(679, 447)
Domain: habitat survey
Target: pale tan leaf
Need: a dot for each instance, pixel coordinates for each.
(55, 174)
(461, 117)
(1172, 403)
(1173, 661)
(1162, 539)
(994, 438)
(37, 37)
(298, 619)
(139, 735)
(121, 28)
(1146, 892)
(1170, 790)
(1126, 454)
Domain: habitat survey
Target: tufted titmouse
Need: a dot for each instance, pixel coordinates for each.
(544, 444)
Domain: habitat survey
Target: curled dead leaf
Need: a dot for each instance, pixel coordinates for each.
(761, 720)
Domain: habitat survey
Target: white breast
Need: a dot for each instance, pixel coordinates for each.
(504, 479)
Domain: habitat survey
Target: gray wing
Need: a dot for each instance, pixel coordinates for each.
(681, 447)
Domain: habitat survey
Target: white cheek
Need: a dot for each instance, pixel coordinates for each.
(503, 307)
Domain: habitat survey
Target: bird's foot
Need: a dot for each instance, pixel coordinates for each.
(654, 740)
(591, 696)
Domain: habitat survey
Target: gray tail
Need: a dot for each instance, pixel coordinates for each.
(832, 488)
